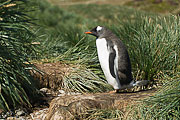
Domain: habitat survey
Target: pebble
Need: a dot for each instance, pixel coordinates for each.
(44, 90)
(20, 112)
(3, 115)
(15, 118)
(61, 91)
(39, 115)
(73, 93)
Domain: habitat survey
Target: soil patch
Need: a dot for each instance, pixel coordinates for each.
(50, 75)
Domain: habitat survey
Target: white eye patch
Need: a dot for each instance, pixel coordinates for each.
(98, 28)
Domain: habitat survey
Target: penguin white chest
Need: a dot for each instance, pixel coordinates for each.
(103, 55)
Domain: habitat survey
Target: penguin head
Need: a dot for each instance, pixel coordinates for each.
(98, 31)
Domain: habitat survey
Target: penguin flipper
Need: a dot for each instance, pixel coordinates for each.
(112, 56)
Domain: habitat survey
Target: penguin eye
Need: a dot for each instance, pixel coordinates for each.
(98, 30)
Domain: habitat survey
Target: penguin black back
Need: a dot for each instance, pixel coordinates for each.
(124, 64)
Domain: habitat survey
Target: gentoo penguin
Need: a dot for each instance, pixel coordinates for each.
(114, 59)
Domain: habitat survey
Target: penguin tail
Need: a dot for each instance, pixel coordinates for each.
(141, 83)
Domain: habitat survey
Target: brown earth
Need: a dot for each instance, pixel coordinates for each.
(73, 106)
(50, 75)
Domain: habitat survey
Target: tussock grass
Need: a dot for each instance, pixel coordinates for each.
(16, 85)
(87, 77)
(102, 114)
(153, 44)
(84, 80)
(165, 105)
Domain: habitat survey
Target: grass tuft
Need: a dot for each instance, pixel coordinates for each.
(102, 114)
(83, 80)
(164, 105)
(153, 44)
(16, 86)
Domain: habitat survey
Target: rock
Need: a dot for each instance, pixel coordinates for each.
(60, 113)
(46, 91)
(38, 114)
(15, 118)
(1, 111)
(72, 106)
(5, 115)
(61, 91)
(11, 118)
(73, 93)
(20, 112)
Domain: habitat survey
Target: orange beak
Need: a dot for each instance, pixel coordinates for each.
(88, 32)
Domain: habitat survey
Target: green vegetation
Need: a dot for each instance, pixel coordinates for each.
(155, 40)
(157, 6)
(102, 114)
(152, 41)
(16, 85)
(165, 105)
(82, 80)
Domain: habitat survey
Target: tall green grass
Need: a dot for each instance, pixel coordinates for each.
(16, 86)
(165, 105)
(153, 44)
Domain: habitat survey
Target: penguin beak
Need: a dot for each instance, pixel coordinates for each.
(88, 32)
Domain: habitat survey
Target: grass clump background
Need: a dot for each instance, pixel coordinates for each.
(152, 41)
(162, 106)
